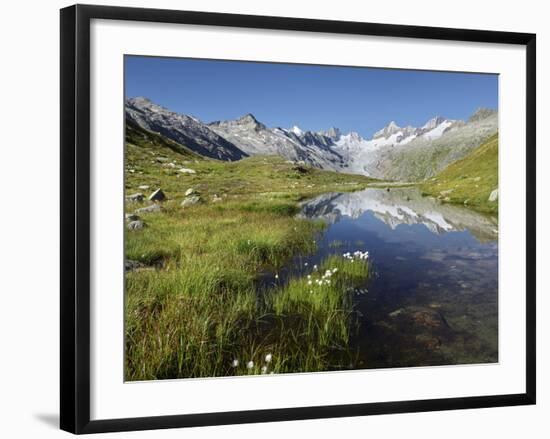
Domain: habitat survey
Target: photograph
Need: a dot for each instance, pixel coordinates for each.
(298, 218)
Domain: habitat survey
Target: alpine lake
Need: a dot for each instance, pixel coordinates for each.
(432, 294)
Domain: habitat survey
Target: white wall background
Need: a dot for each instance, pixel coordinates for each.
(29, 249)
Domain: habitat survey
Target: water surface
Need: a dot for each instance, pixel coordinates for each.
(432, 297)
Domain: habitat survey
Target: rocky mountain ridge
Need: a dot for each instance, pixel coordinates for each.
(351, 153)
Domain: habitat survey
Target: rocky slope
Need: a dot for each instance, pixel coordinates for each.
(183, 129)
(254, 138)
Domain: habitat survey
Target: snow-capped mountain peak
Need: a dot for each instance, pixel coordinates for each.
(388, 130)
(247, 118)
(435, 127)
(352, 136)
(332, 133)
(433, 122)
(296, 130)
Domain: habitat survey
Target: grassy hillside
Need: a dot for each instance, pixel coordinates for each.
(208, 297)
(422, 158)
(469, 181)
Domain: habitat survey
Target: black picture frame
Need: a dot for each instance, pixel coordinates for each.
(75, 217)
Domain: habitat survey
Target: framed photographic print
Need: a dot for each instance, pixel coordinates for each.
(268, 218)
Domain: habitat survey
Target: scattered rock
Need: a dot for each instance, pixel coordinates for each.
(131, 265)
(149, 209)
(162, 159)
(447, 192)
(446, 199)
(477, 178)
(300, 169)
(421, 316)
(131, 217)
(136, 225)
(191, 191)
(187, 171)
(134, 198)
(143, 187)
(428, 318)
(396, 312)
(158, 195)
(191, 200)
(216, 198)
(493, 196)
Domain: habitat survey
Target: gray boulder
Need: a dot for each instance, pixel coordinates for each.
(191, 191)
(187, 171)
(158, 195)
(493, 196)
(191, 200)
(149, 209)
(131, 265)
(131, 217)
(135, 197)
(136, 225)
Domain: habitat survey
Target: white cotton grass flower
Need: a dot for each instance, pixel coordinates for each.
(268, 358)
(309, 276)
(250, 365)
(235, 363)
(305, 264)
(276, 276)
(309, 282)
(315, 267)
(264, 370)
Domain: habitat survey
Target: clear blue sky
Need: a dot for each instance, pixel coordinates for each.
(312, 97)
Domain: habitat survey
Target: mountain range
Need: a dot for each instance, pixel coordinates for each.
(394, 152)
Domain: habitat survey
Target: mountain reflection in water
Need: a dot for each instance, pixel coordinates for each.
(402, 206)
(433, 296)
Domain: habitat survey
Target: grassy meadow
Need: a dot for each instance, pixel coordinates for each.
(196, 305)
